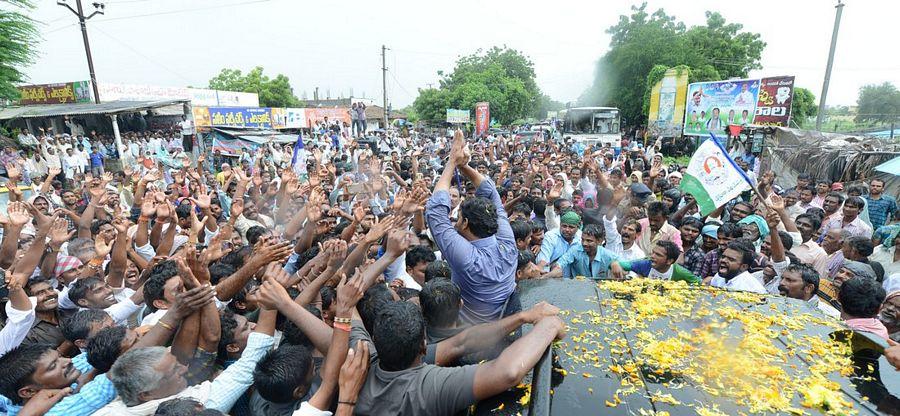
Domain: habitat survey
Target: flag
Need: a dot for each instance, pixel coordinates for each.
(712, 177)
(299, 168)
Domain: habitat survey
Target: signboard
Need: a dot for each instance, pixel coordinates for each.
(240, 117)
(482, 118)
(198, 96)
(295, 118)
(773, 108)
(278, 118)
(314, 115)
(712, 106)
(667, 103)
(201, 116)
(64, 93)
(457, 116)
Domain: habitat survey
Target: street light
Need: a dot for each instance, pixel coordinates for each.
(99, 8)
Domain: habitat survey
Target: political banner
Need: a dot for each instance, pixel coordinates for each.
(279, 118)
(63, 93)
(314, 115)
(713, 106)
(457, 116)
(241, 117)
(201, 116)
(712, 177)
(295, 118)
(773, 107)
(667, 100)
(482, 118)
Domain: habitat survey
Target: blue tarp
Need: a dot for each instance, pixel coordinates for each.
(891, 166)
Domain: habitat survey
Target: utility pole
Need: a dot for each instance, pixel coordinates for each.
(834, 35)
(98, 9)
(384, 86)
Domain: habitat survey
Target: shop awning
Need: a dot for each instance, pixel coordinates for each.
(891, 166)
(56, 110)
(258, 136)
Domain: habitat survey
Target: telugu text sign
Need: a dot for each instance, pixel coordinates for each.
(63, 93)
(240, 117)
(773, 108)
(457, 116)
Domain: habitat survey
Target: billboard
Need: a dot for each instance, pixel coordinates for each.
(63, 93)
(318, 114)
(198, 96)
(773, 108)
(482, 118)
(240, 117)
(295, 118)
(667, 100)
(457, 116)
(712, 106)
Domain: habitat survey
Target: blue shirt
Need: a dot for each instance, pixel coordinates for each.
(92, 397)
(96, 159)
(881, 210)
(484, 269)
(554, 246)
(577, 263)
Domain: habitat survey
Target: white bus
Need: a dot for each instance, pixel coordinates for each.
(593, 125)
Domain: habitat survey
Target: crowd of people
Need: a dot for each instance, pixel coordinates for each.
(340, 278)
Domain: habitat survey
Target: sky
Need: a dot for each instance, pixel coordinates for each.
(336, 46)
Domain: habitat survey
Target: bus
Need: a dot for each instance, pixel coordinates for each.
(593, 125)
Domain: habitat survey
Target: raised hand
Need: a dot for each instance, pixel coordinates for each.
(192, 300)
(353, 372)
(398, 242)
(275, 272)
(776, 202)
(163, 211)
(59, 232)
(148, 207)
(102, 246)
(266, 252)
(272, 295)
(18, 213)
(379, 228)
(237, 207)
(13, 172)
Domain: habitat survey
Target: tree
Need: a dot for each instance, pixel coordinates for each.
(18, 37)
(275, 92)
(879, 103)
(641, 41)
(501, 76)
(803, 106)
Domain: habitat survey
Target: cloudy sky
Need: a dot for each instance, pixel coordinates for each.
(336, 46)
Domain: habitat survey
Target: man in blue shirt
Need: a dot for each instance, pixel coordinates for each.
(558, 242)
(587, 259)
(882, 208)
(96, 162)
(480, 247)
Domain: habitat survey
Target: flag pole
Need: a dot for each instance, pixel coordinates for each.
(754, 188)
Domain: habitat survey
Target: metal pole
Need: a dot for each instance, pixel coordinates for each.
(384, 86)
(834, 35)
(87, 51)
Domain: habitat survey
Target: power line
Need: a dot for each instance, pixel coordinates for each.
(220, 6)
(135, 51)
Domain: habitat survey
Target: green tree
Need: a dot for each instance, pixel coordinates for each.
(503, 77)
(18, 37)
(879, 103)
(803, 106)
(642, 40)
(273, 92)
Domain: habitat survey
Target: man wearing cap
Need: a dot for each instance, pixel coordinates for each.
(675, 179)
(560, 240)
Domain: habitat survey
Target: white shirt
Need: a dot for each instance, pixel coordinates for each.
(408, 280)
(743, 282)
(307, 409)
(187, 127)
(829, 310)
(614, 242)
(18, 324)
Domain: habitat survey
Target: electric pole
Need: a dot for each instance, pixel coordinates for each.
(834, 35)
(82, 19)
(384, 86)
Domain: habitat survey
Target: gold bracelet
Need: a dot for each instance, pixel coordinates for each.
(341, 320)
(166, 326)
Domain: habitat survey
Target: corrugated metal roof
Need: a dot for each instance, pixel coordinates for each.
(258, 136)
(54, 110)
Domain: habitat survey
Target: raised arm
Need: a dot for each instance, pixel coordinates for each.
(517, 360)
